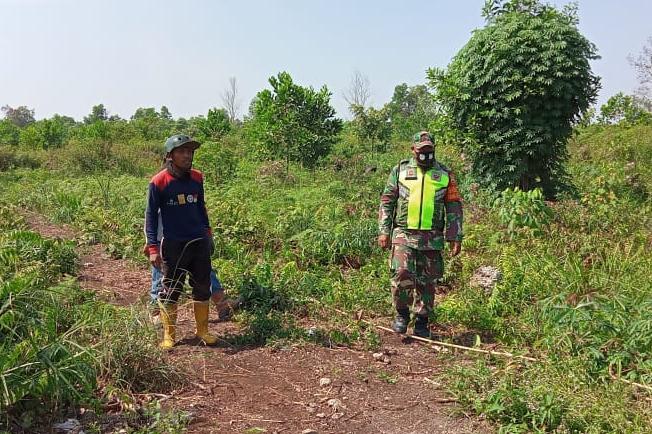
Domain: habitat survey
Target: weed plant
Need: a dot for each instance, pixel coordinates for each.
(59, 346)
(575, 289)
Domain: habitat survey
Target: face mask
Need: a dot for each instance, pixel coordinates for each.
(425, 159)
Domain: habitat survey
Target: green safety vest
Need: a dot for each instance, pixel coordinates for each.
(424, 190)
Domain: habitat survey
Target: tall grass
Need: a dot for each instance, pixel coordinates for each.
(575, 291)
(59, 346)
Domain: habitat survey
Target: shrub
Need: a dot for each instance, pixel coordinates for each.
(373, 127)
(516, 89)
(522, 209)
(292, 122)
(57, 342)
(217, 162)
(624, 108)
(11, 158)
(44, 134)
(9, 133)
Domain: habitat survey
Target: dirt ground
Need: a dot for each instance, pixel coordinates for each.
(288, 390)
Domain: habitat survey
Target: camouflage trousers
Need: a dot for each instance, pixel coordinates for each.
(414, 278)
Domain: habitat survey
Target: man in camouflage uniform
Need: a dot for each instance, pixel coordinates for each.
(420, 194)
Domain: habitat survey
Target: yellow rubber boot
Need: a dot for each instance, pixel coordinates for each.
(169, 320)
(201, 321)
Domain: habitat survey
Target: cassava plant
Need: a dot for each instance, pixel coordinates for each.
(515, 90)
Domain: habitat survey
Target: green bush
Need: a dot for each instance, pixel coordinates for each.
(292, 122)
(217, 162)
(514, 91)
(57, 342)
(11, 158)
(373, 127)
(522, 209)
(411, 109)
(9, 133)
(44, 134)
(624, 108)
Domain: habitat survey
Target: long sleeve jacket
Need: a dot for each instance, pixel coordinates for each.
(182, 208)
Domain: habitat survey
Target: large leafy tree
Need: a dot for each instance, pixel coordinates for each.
(411, 109)
(515, 90)
(293, 122)
(20, 116)
(624, 108)
(98, 113)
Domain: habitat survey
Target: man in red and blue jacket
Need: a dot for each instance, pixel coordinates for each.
(177, 192)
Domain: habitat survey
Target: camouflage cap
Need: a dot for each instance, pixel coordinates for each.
(423, 138)
(179, 140)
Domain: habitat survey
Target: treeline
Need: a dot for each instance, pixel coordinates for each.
(509, 100)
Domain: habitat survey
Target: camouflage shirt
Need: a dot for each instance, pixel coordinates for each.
(393, 213)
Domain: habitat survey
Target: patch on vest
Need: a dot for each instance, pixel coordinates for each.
(411, 174)
(436, 176)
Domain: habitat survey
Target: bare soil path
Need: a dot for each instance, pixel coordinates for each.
(260, 389)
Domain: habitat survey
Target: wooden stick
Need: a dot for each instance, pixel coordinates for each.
(631, 383)
(460, 347)
(642, 386)
(443, 344)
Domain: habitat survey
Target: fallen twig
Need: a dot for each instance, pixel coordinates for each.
(417, 372)
(444, 400)
(255, 420)
(444, 344)
(351, 417)
(461, 347)
(631, 383)
(428, 380)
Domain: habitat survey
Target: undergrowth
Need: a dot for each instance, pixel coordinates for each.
(575, 289)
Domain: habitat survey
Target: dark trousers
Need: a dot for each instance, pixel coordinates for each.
(186, 258)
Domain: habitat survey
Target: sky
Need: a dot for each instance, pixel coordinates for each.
(64, 56)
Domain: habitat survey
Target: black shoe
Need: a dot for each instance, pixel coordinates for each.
(401, 322)
(421, 327)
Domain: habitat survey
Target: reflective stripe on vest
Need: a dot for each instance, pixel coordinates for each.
(423, 189)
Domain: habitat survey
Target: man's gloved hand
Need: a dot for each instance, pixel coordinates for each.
(384, 241)
(146, 250)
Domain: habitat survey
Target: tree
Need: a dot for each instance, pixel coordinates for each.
(145, 113)
(165, 113)
(230, 99)
(98, 113)
(20, 116)
(411, 109)
(293, 122)
(624, 108)
(215, 125)
(372, 126)
(67, 121)
(150, 124)
(358, 92)
(643, 67)
(515, 90)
